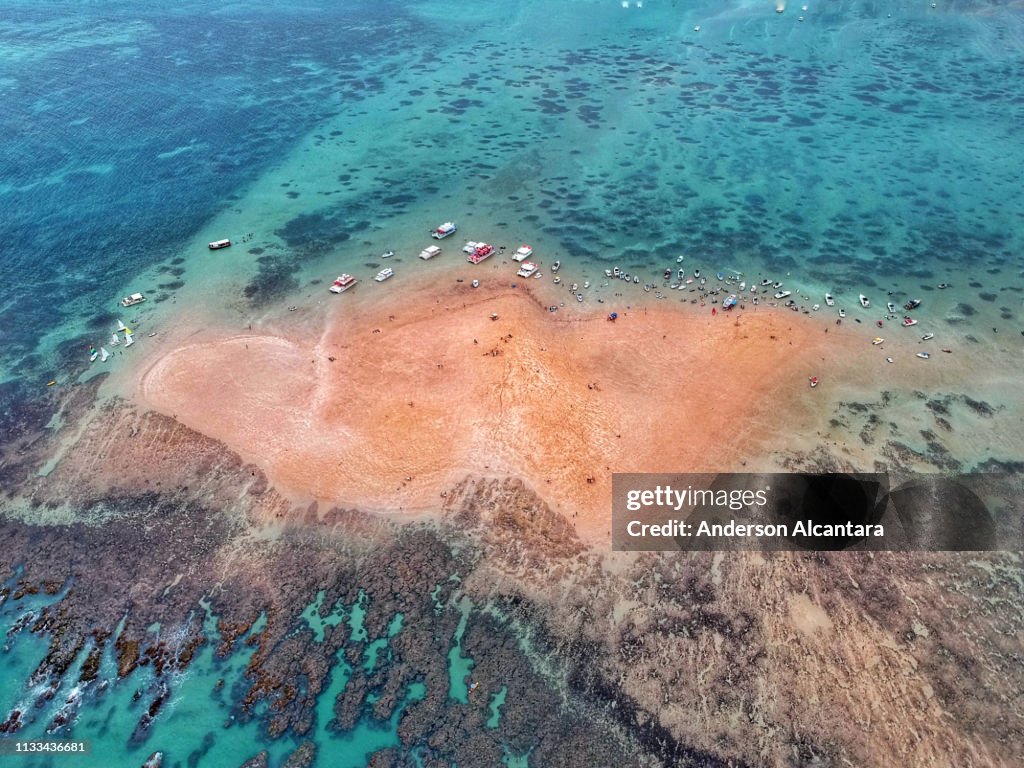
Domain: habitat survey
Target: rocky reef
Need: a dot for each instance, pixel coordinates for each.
(673, 659)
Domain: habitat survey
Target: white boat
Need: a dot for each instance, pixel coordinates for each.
(557, 266)
(93, 354)
(816, 307)
(558, 280)
(923, 355)
(114, 340)
(430, 252)
(387, 254)
(128, 340)
(877, 340)
(864, 301)
(607, 273)
(104, 355)
(523, 252)
(842, 313)
(636, 279)
(928, 337)
(616, 272)
(343, 283)
(527, 269)
(469, 247)
(782, 294)
(476, 283)
(131, 301)
(216, 245)
(579, 297)
(679, 260)
(742, 286)
(586, 283)
(829, 301)
(575, 287)
(909, 321)
(120, 325)
(891, 307)
(445, 230)
(384, 274)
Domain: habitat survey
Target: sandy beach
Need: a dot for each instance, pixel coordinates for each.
(393, 401)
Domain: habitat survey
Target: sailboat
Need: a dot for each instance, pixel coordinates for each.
(120, 325)
(114, 341)
(128, 340)
(104, 354)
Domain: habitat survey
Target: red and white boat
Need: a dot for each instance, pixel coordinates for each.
(216, 245)
(343, 283)
(909, 321)
(523, 252)
(445, 230)
(481, 252)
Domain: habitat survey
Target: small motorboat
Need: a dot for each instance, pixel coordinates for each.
(777, 284)
(636, 280)
(575, 287)
(766, 282)
(782, 294)
(842, 313)
(877, 340)
(668, 274)
(909, 321)
(829, 301)
(679, 260)
(942, 286)
(579, 297)
(912, 304)
(729, 302)
(558, 265)
(387, 254)
(813, 381)
(720, 276)
(928, 337)
(696, 273)
(924, 355)
(558, 280)
(864, 301)
(586, 283)
(816, 307)
(616, 272)
(607, 273)
(888, 360)
(891, 307)
(476, 283)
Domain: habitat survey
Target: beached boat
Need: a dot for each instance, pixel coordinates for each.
(607, 273)
(924, 355)
(782, 294)
(909, 321)
(912, 304)
(928, 337)
(636, 279)
(343, 283)
(476, 283)
(104, 355)
(481, 252)
(586, 283)
(829, 301)
(813, 381)
(445, 230)
(729, 302)
(114, 340)
(129, 339)
(616, 272)
(877, 340)
(523, 252)
(216, 245)
(556, 266)
(864, 301)
(558, 280)
(579, 297)
(121, 326)
(384, 274)
(430, 252)
(527, 269)
(131, 301)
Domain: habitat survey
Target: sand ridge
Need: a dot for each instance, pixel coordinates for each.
(394, 403)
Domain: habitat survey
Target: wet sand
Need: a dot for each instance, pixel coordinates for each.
(424, 389)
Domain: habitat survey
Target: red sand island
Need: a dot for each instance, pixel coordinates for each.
(395, 404)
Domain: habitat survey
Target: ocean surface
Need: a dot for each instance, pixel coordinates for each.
(854, 146)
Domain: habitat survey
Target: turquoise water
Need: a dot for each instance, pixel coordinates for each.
(871, 145)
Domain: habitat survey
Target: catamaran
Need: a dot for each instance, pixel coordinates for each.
(131, 301)
(128, 340)
(429, 252)
(114, 341)
(527, 269)
(343, 283)
(104, 355)
(481, 252)
(523, 252)
(445, 230)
